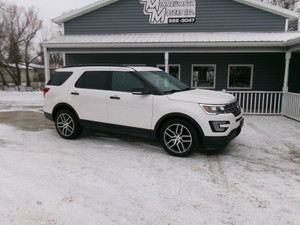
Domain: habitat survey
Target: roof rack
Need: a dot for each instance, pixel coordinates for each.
(85, 65)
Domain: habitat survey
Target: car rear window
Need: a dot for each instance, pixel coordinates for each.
(59, 78)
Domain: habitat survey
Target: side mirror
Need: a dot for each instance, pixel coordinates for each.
(140, 91)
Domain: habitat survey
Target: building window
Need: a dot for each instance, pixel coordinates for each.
(174, 70)
(240, 76)
(203, 76)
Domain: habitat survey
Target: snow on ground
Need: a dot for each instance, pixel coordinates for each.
(100, 179)
(14, 101)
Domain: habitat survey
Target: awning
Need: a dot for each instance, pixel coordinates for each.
(184, 41)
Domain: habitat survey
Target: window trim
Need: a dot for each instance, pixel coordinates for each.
(179, 66)
(207, 65)
(251, 79)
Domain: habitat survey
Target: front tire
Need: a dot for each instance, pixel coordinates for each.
(67, 125)
(178, 137)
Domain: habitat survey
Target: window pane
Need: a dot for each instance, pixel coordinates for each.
(173, 70)
(203, 76)
(240, 76)
(59, 78)
(124, 81)
(94, 80)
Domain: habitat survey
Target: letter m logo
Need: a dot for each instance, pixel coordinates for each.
(155, 12)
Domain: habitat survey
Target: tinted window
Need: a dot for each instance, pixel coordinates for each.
(94, 80)
(59, 78)
(124, 81)
(164, 82)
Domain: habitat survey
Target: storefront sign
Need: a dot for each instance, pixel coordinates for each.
(170, 11)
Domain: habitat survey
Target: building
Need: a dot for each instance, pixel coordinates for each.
(237, 45)
(36, 73)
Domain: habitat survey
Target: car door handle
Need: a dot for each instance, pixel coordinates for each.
(115, 97)
(74, 93)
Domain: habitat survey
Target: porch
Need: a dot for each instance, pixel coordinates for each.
(269, 103)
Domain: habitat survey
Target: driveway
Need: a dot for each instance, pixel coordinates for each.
(101, 179)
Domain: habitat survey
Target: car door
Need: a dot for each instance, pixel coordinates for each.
(89, 96)
(125, 108)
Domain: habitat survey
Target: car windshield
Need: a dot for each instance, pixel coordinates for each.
(164, 82)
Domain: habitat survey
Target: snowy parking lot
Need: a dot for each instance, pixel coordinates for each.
(100, 179)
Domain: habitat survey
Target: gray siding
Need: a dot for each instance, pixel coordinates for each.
(126, 16)
(267, 75)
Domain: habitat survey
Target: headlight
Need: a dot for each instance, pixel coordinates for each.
(213, 109)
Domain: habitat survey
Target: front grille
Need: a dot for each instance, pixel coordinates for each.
(233, 108)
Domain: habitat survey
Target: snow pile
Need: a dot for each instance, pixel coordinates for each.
(99, 179)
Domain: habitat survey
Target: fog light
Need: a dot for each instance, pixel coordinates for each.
(219, 126)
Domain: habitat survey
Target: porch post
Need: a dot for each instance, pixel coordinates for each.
(167, 62)
(285, 88)
(46, 63)
(286, 72)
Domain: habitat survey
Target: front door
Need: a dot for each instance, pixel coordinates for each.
(125, 108)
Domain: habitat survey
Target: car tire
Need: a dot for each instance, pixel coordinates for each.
(178, 137)
(67, 124)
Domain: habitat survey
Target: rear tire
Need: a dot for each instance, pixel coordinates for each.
(67, 125)
(178, 137)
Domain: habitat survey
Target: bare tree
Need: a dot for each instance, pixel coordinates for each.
(2, 37)
(55, 59)
(19, 27)
(287, 4)
(30, 55)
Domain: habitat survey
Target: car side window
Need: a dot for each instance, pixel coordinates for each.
(124, 81)
(98, 80)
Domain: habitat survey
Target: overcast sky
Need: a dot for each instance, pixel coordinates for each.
(50, 9)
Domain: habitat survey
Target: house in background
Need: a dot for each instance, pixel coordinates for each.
(36, 73)
(243, 46)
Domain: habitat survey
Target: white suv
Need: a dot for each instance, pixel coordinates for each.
(141, 101)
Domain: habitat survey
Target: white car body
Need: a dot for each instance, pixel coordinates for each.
(142, 112)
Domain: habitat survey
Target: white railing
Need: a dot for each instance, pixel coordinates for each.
(292, 105)
(259, 102)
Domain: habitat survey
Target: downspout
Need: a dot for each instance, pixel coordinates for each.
(167, 62)
(47, 67)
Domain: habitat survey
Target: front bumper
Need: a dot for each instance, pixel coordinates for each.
(219, 141)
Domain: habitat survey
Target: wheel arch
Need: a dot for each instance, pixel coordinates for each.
(171, 116)
(61, 106)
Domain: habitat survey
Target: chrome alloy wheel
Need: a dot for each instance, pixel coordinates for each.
(178, 138)
(65, 124)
